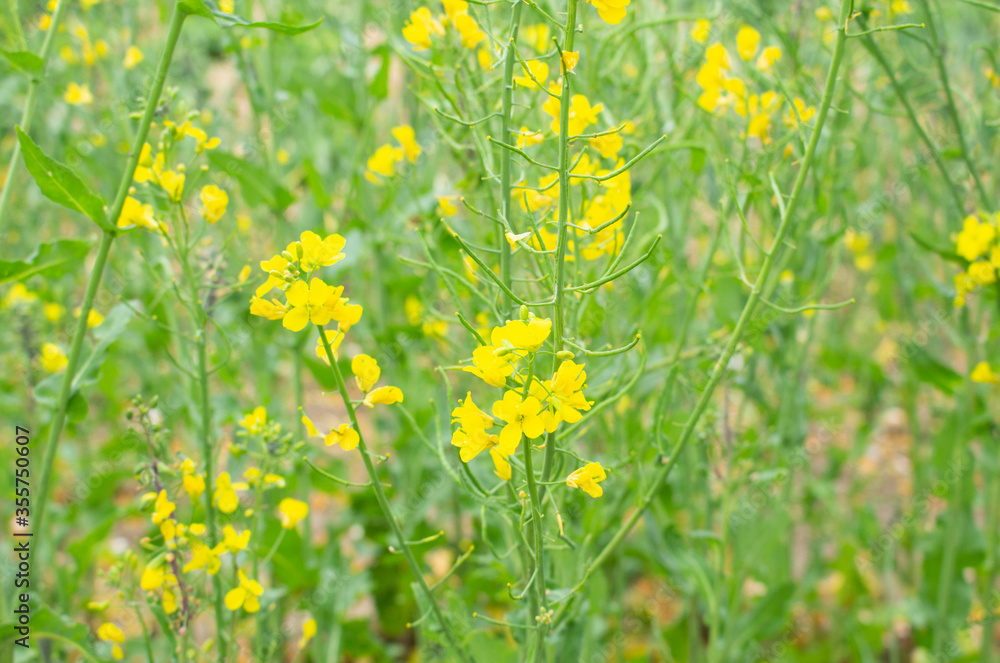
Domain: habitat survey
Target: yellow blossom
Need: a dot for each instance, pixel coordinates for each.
(747, 42)
(308, 632)
(78, 95)
(421, 27)
(133, 56)
(173, 183)
(244, 595)
(383, 396)
(407, 140)
(984, 374)
(701, 29)
(537, 69)
(225, 493)
(587, 479)
(135, 213)
(52, 358)
(234, 542)
(291, 511)
(213, 203)
(163, 508)
(521, 416)
(109, 632)
(611, 11)
(343, 435)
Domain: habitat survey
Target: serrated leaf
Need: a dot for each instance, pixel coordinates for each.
(51, 259)
(24, 61)
(46, 625)
(59, 183)
(224, 20)
(257, 185)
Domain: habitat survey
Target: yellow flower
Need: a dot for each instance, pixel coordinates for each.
(587, 478)
(420, 28)
(383, 396)
(527, 138)
(308, 304)
(153, 577)
(608, 145)
(564, 393)
(570, 59)
(581, 113)
(407, 139)
(254, 422)
(225, 493)
(163, 508)
(213, 203)
(799, 112)
(19, 294)
(173, 183)
(203, 142)
(522, 335)
(135, 213)
(133, 56)
(53, 311)
(824, 14)
(308, 632)
(984, 374)
(701, 30)
(536, 68)
(291, 512)
(203, 557)
(982, 273)
(194, 485)
(319, 252)
(343, 435)
(446, 205)
(169, 602)
(111, 633)
(521, 416)
(282, 157)
(975, 239)
(768, 58)
(467, 27)
(245, 595)
(78, 95)
(52, 359)
(366, 371)
(234, 542)
(611, 11)
(747, 42)
(471, 437)
(491, 367)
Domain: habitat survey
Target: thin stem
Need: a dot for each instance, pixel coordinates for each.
(506, 158)
(29, 105)
(384, 503)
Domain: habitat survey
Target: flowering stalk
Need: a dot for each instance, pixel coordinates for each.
(721, 366)
(506, 156)
(97, 273)
(383, 503)
(559, 313)
(29, 106)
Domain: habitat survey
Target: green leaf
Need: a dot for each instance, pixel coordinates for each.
(59, 183)
(46, 625)
(930, 370)
(51, 260)
(257, 185)
(379, 87)
(24, 61)
(224, 20)
(315, 182)
(931, 245)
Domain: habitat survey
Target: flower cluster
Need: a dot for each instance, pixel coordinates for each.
(158, 169)
(978, 243)
(310, 300)
(530, 406)
(382, 164)
(424, 26)
(722, 90)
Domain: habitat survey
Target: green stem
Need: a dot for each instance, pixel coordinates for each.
(938, 53)
(720, 368)
(383, 503)
(29, 105)
(559, 314)
(912, 114)
(506, 157)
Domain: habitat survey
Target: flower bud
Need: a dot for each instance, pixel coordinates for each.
(288, 256)
(563, 355)
(524, 312)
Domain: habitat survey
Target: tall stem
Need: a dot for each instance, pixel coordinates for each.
(506, 156)
(559, 314)
(383, 503)
(29, 106)
(721, 366)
